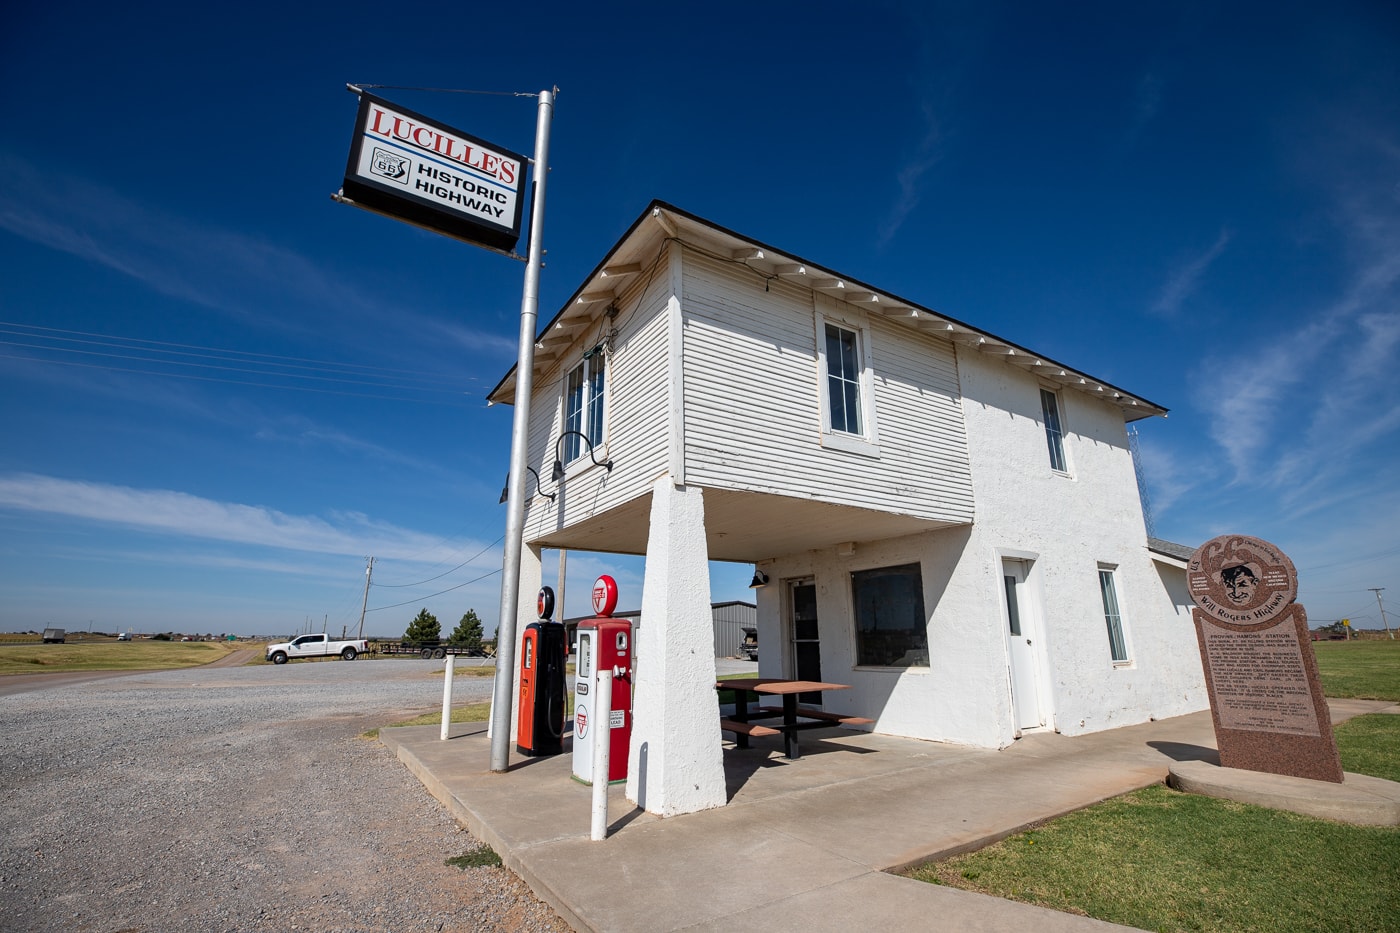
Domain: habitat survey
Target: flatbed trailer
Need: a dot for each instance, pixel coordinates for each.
(427, 650)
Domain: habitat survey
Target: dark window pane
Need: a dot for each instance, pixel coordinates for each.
(891, 627)
(804, 611)
(1054, 437)
(595, 400)
(573, 414)
(1012, 609)
(1114, 619)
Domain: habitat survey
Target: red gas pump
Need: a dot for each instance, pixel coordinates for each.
(542, 652)
(604, 643)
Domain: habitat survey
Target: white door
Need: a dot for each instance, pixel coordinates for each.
(1022, 631)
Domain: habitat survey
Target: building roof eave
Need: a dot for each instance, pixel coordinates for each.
(668, 222)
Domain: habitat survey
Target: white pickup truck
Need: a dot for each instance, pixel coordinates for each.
(314, 646)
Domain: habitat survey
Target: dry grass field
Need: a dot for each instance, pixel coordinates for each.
(101, 653)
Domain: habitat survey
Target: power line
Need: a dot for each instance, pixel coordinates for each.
(159, 345)
(245, 382)
(439, 593)
(57, 346)
(399, 586)
(446, 90)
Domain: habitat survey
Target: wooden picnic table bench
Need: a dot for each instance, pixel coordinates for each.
(743, 726)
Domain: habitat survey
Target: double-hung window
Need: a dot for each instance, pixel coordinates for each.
(847, 403)
(843, 370)
(1113, 617)
(583, 407)
(1054, 435)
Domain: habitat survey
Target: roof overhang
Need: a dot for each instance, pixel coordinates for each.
(640, 248)
(1169, 552)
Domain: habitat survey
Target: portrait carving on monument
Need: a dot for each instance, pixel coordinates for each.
(1241, 581)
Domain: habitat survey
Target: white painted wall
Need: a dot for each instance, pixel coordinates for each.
(753, 415)
(1066, 524)
(636, 400)
(1073, 522)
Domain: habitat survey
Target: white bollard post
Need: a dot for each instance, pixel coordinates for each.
(602, 748)
(447, 695)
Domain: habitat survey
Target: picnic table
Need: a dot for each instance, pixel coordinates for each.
(793, 717)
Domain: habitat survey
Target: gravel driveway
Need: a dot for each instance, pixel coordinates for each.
(243, 798)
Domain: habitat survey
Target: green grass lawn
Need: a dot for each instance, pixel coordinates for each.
(727, 696)
(1363, 670)
(1163, 860)
(1168, 861)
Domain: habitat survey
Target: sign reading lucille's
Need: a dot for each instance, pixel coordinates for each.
(427, 173)
(1265, 696)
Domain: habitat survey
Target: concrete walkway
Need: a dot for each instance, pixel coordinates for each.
(803, 845)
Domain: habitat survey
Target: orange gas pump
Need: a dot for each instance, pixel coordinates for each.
(542, 653)
(604, 643)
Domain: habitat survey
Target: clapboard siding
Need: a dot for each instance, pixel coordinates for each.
(752, 401)
(636, 399)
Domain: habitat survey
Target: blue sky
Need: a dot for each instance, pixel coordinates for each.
(223, 391)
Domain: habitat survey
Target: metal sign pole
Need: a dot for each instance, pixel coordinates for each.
(503, 695)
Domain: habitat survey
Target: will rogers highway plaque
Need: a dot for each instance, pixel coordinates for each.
(1265, 697)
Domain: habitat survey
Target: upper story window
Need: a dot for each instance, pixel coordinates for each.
(847, 386)
(583, 406)
(1054, 435)
(843, 371)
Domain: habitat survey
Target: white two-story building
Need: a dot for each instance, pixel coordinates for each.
(945, 521)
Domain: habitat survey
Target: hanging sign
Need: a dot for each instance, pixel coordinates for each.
(415, 169)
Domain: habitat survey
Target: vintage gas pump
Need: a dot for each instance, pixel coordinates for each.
(542, 652)
(604, 643)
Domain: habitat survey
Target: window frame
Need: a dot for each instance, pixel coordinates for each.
(867, 440)
(1051, 410)
(921, 629)
(591, 419)
(1113, 616)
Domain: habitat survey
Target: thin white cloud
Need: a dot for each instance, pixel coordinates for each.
(1295, 406)
(910, 177)
(1184, 279)
(168, 512)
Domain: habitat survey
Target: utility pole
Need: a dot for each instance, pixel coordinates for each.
(369, 571)
(1377, 591)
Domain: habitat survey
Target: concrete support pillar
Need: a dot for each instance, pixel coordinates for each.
(676, 762)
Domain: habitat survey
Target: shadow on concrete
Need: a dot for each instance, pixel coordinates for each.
(1181, 751)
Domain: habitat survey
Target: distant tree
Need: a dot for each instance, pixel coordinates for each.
(468, 631)
(424, 627)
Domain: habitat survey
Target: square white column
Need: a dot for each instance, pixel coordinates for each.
(676, 762)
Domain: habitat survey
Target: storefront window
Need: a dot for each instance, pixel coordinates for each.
(891, 628)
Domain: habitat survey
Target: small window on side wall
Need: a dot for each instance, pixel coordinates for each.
(1054, 435)
(891, 628)
(1113, 616)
